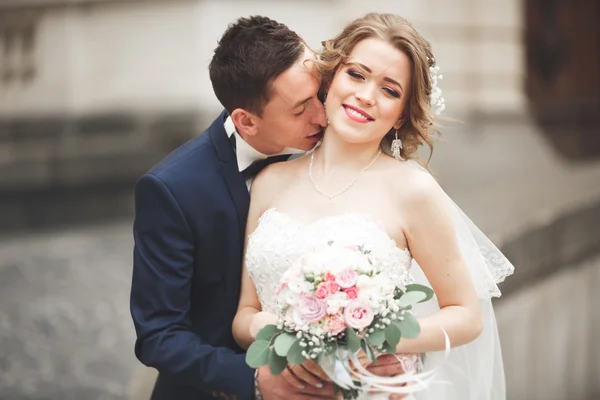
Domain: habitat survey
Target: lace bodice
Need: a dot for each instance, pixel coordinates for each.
(279, 240)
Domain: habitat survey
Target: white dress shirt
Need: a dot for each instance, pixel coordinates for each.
(246, 154)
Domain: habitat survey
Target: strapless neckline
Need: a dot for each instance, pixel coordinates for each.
(347, 214)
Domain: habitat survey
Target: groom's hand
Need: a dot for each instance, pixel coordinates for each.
(308, 373)
(388, 365)
(276, 387)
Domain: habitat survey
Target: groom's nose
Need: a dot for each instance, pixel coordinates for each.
(319, 117)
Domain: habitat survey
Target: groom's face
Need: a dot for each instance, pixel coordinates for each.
(294, 116)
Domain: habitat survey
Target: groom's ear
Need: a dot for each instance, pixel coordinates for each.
(245, 122)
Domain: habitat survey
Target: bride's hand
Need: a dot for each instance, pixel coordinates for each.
(260, 320)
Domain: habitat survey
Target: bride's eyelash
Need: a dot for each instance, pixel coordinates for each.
(392, 92)
(358, 75)
(354, 74)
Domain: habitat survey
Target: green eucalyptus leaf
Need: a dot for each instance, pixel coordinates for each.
(267, 333)
(409, 326)
(377, 338)
(277, 363)
(353, 340)
(283, 343)
(258, 354)
(320, 357)
(392, 335)
(416, 287)
(294, 355)
(411, 298)
(333, 347)
(367, 349)
(388, 348)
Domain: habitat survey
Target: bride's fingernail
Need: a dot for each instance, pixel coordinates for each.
(319, 385)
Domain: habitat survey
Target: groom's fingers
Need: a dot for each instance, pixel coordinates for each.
(391, 396)
(291, 378)
(386, 370)
(302, 377)
(312, 389)
(397, 396)
(387, 365)
(306, 396)
(315, 396)
(315, 369)
(387, 359)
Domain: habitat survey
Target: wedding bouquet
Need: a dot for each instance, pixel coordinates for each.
(332, 303)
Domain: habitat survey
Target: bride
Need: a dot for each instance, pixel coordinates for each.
(361, 186)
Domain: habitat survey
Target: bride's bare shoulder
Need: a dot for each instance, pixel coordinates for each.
(413, 182)
(279, 175)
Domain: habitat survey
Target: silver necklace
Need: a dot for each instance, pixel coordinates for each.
(344, 190)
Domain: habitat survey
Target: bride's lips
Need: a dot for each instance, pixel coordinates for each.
(356, 114)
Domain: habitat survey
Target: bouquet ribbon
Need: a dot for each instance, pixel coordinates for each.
(337, 368)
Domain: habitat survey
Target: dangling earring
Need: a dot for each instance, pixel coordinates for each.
(396, 147)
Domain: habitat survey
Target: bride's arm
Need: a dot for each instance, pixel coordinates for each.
(433, 243)
(249, 319)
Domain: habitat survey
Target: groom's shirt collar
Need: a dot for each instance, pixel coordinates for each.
(246, 154)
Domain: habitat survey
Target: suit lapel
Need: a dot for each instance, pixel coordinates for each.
(236, 185)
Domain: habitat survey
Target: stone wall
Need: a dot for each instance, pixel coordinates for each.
(59, 170)
(94, 92)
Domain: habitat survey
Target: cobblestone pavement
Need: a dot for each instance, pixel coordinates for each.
(65, 329)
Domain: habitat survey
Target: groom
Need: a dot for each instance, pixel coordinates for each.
(190, 218)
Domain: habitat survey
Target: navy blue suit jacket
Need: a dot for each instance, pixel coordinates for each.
(190, 222)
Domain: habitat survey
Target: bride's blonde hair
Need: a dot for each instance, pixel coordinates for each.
(400, 33)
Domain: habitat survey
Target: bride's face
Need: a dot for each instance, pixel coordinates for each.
(369, 92)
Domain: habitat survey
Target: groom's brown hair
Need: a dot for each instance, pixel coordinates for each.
(251, 54)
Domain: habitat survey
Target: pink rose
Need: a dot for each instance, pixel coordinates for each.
(332, 287)
(347, 278)
(329, 277)
(336, 325)
(352, 292)
(358, 315)
(322, 291)
(311, 308)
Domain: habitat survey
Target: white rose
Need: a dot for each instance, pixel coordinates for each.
(354, 260)
(370, 297)
(383, 283)
(311, 264)
(291, 298)
(298, 319)
(363, 282)
(299, 285)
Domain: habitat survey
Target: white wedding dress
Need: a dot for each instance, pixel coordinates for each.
(470, 372)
